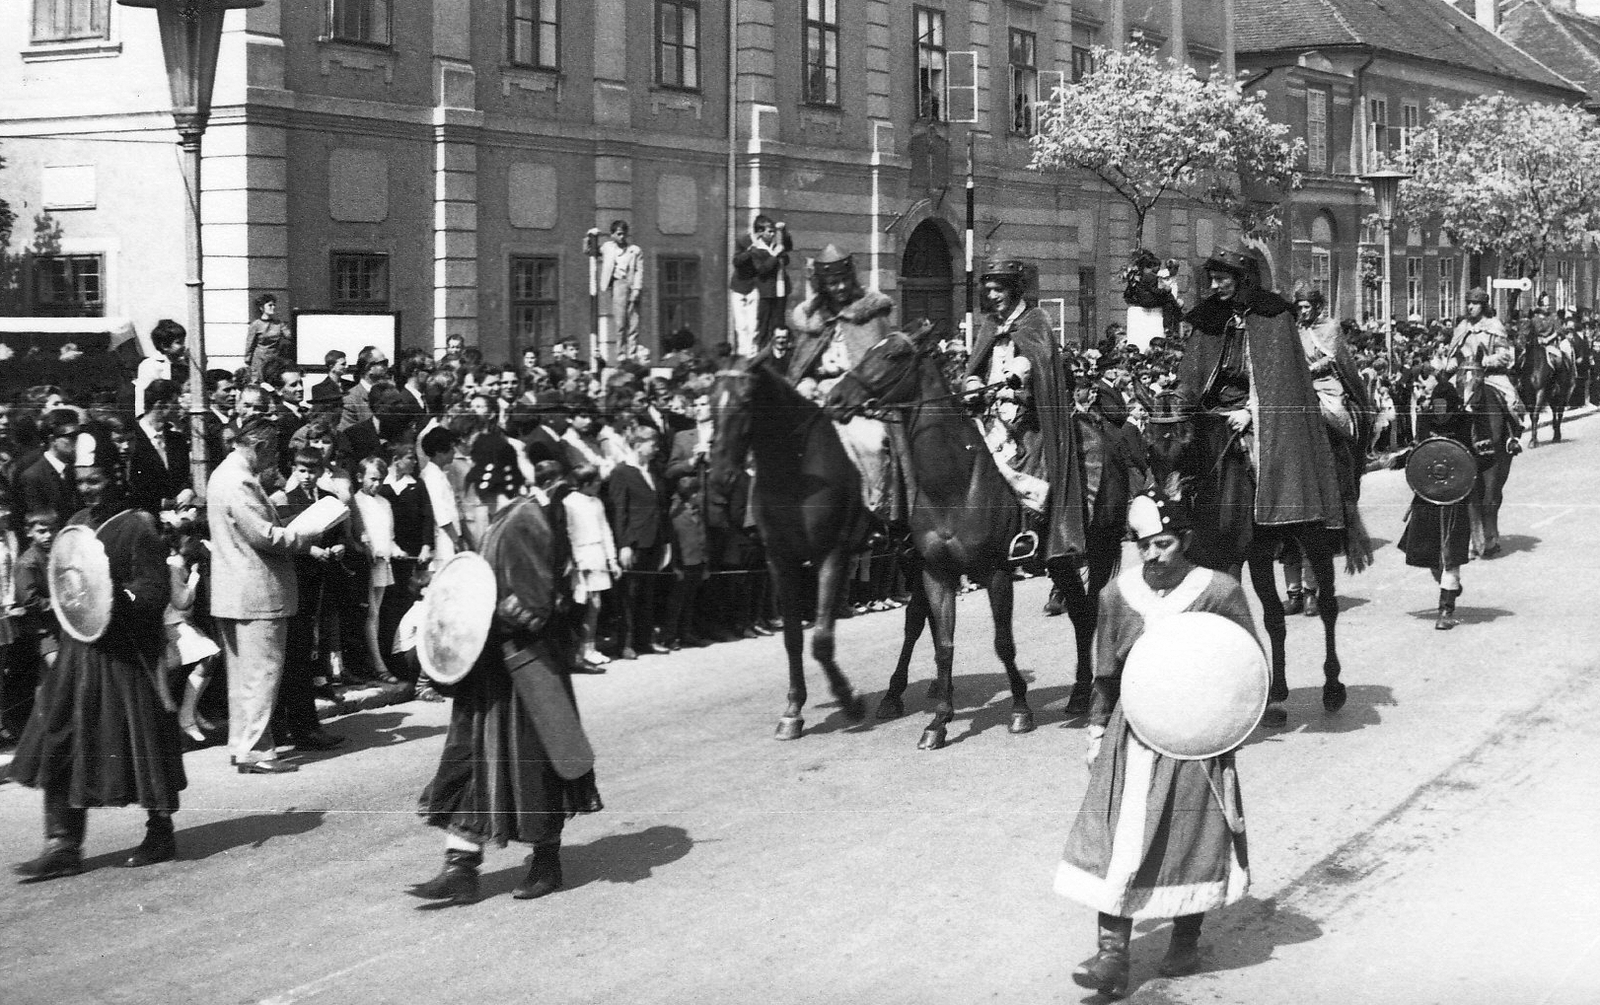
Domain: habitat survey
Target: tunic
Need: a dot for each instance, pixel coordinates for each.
(1156, 837)
(99, 732)
(1438, 537)
(500, 778)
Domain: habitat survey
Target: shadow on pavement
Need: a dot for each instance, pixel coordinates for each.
(615, 858)
(1466, 615)
(983, 700)
(365, 730)
(254, 830)
(1241, 935)
(1306, 714)
(1510, 544)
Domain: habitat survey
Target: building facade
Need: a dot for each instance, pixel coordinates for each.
(1355, 80)
(444, 159)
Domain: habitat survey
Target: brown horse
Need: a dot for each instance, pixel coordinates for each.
(963, 515)
(807, 503)
(1235, 541)
(1488, 491)
(1543, 381)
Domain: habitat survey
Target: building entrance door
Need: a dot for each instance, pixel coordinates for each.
(927, 280)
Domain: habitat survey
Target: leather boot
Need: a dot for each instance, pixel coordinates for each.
(544, 873)
(1183, 951)
(159, 844)
(1447, 610)
(457, 882)
(1107, 970)
(64, 828)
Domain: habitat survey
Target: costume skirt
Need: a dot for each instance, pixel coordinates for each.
(100, 733)
(1156, 837)
(495, 782)
(1437, 536)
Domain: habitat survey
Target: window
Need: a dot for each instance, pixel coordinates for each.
(1566, 284)
(822, 52)
(1082, 52)
(365, 21)
(1410, 122)
(1024, 81)
(1088, 314)
(1448, 288)
(930, 64)
(71, 20)
(535, 296)
(678, 43)
(1202, 62)
(1378, 146)
(1413, 287)
(360, 280)
(1322, 274)
(680, 294)
(69, 286)
(1316, 130)
(533, 33)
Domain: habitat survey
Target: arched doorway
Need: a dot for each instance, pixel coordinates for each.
(927, 279)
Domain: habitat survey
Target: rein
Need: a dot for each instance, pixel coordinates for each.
(884, 412)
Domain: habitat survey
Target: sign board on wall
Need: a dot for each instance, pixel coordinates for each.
(316, 333)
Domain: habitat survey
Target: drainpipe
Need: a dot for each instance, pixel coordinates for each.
(731, 188)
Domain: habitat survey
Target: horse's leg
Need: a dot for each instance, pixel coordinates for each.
(942, 615)
(1264, 580)
(830, 583)
(1083, 613)
(1321, 558)
(786, 578)
(1536, 407)
(1002, 592)
(893, 704)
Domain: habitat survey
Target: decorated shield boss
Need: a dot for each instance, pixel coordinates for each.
(80, 583)
(1441, 471)
(456, 615)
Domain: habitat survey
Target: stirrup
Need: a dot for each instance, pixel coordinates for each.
(1023, 547)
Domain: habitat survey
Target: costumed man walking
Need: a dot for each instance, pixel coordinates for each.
(515, 762)
(1016, 348)
(1439, 538)
(833, 328)
(104, 728)
(1483, 340)
(1156, 836)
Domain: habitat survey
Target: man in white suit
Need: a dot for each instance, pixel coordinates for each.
(622, 273)
(254, 593)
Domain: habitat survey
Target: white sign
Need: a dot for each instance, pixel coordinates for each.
(1524, 284)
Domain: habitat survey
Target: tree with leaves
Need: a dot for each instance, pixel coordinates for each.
(1151, 129)
(1507, 177)
(8, 265)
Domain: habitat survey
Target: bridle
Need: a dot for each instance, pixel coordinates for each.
(893, 384)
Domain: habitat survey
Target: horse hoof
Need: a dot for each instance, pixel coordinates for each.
(854, 708)
(1022, 721)
(932, 739)
(1079, 700)
(789, 728)
(1333, 696)
(1274, 716)
(891, 708)
(1279, 691)
(1492, 550)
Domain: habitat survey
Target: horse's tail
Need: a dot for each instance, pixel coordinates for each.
(1357, 542)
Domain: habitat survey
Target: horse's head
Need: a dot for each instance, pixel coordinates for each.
(1167, 434)
(730, 412)
(886, 375)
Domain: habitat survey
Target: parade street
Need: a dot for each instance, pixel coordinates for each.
(1433, 842)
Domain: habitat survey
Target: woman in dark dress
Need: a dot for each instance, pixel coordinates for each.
(104, 730)
(1438, 538)
(515, 762)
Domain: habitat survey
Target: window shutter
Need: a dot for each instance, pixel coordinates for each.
(961, 86)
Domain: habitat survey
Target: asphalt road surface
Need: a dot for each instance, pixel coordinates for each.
(1436, 841)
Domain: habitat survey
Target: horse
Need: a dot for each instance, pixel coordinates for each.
(1178, 466)
(1543, 380)
(962, 513)
(808, 508)
(1488, 489)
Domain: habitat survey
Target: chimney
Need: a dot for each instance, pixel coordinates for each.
(1485, 12)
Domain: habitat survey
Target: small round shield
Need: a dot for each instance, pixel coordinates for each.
(1194, 685)
(456, 615)
(80, 583)
(1441, 471)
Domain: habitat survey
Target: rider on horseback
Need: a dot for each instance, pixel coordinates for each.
(833, 329)
(1483, 340)
(1017, 348)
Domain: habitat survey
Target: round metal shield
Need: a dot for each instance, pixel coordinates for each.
(1441, 471)
(80, 583)
(456, 615)
(1194, 685)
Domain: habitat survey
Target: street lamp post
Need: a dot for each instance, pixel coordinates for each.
(191, 35)
(1386, 190)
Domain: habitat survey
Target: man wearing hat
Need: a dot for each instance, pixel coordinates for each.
(832, 329)
(1263, 451)
(1482, 340)
(1156, 836)
(104, 729)
(1016, 348)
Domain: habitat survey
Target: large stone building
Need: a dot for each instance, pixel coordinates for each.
(444, 158)
(1355, 78)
